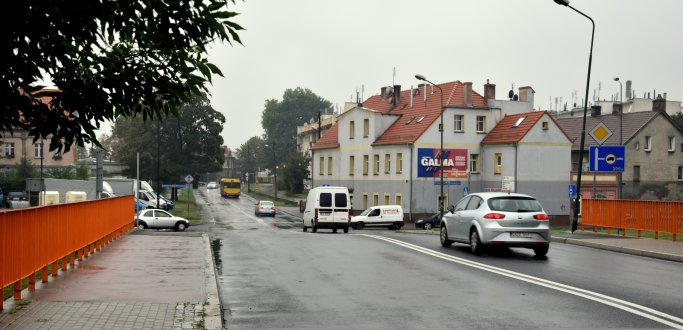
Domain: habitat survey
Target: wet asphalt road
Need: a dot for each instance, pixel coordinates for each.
(272, 275)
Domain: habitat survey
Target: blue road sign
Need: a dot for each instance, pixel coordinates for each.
(572, 191)
(607, 158)
(447, 183)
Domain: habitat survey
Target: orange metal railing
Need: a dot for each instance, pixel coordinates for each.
(655, 216)
(33, 238)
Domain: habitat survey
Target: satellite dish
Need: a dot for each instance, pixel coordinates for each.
(510, 94)
(515, 98)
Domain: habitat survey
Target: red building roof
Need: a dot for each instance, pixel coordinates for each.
(507, 132)
(413, 121)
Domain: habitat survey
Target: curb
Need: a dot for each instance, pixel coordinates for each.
(212, 308)
(620, 249)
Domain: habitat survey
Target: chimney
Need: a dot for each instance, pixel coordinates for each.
(397, 94)
(628, 89)
(616, 108)
(526, 94)
(468, 94)
(596, 111)
(381, 93)
(659, 105)
(489, 91)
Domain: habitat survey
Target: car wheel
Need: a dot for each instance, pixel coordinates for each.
(180, 226)
(475, 242)
(346, 230)
(315, 229)
(445, 242)
(541, 251)
(305, 228)
(142, 226)
(428, 226)
(334, 230)
(360, 226)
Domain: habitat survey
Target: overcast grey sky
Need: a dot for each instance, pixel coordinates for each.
(333, 47)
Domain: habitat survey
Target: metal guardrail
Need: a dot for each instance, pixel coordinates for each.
(655, 216)
(33, 238)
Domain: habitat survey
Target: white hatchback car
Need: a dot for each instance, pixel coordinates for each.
(497, 218)
(160, 219)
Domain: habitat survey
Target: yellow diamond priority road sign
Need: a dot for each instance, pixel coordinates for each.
(600, 133)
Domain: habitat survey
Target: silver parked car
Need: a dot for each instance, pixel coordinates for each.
(497, 218)
(160, 219)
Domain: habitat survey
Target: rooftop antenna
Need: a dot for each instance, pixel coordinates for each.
(393, 77)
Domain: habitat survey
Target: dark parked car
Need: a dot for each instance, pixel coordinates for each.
(14, 196)
(429, 223)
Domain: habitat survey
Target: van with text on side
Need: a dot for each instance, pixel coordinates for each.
(328, 208)
(390, 216)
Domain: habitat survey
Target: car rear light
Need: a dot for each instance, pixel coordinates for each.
(494, 216)
(542, 217)
(315, 217)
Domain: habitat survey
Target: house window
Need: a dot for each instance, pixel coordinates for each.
(648, 143)
(398, 199)
(457, 123)
(474, 163)
(352, 129)
(680, 173)
(399, 162)
(366, 127)
(321, 170)
(9, 149)
(365, 201)
(672, 143)
(544, 125)
(387, 163)
(38, 150)
(386, 198)
(637, 145)
(636, 173)
(365, 164)
(375, 199)
(481, 124)
(498, 163)
(375, 167)
(352, 164)
(329, 165)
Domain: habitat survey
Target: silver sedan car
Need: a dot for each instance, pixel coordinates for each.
(497, 218)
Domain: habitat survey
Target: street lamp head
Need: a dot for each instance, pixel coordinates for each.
(562, 2)
(616, 79)
(420, 77)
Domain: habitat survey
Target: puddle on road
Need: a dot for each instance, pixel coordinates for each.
(216, 250)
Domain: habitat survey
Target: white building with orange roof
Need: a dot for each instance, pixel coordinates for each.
(385, 150)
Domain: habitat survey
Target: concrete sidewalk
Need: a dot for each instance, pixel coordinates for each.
(137, 282)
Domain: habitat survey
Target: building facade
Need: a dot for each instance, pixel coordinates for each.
(386, 151)
(21, 144)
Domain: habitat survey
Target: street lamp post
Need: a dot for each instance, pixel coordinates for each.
(440, 157)
(621, 129)
(274, 170)
(577, 207)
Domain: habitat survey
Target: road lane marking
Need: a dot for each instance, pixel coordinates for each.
(646, 312)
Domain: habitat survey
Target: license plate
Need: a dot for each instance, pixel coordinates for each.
(520, 235)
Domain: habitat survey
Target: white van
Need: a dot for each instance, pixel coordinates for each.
(329, 208)
(150, 198)
(382, 215)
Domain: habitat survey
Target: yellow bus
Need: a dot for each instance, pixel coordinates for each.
(230, 187)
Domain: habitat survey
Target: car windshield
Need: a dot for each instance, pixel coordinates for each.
(366, 211)
(514, 204)
(266, 203)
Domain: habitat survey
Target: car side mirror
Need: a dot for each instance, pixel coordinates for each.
(451, 208)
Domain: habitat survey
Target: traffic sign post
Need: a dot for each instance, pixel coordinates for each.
(572, 191)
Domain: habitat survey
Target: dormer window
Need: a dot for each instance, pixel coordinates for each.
(410, 120)
(519, 121)
(420, 120)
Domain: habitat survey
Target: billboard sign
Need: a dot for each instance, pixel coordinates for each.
(429, 163)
